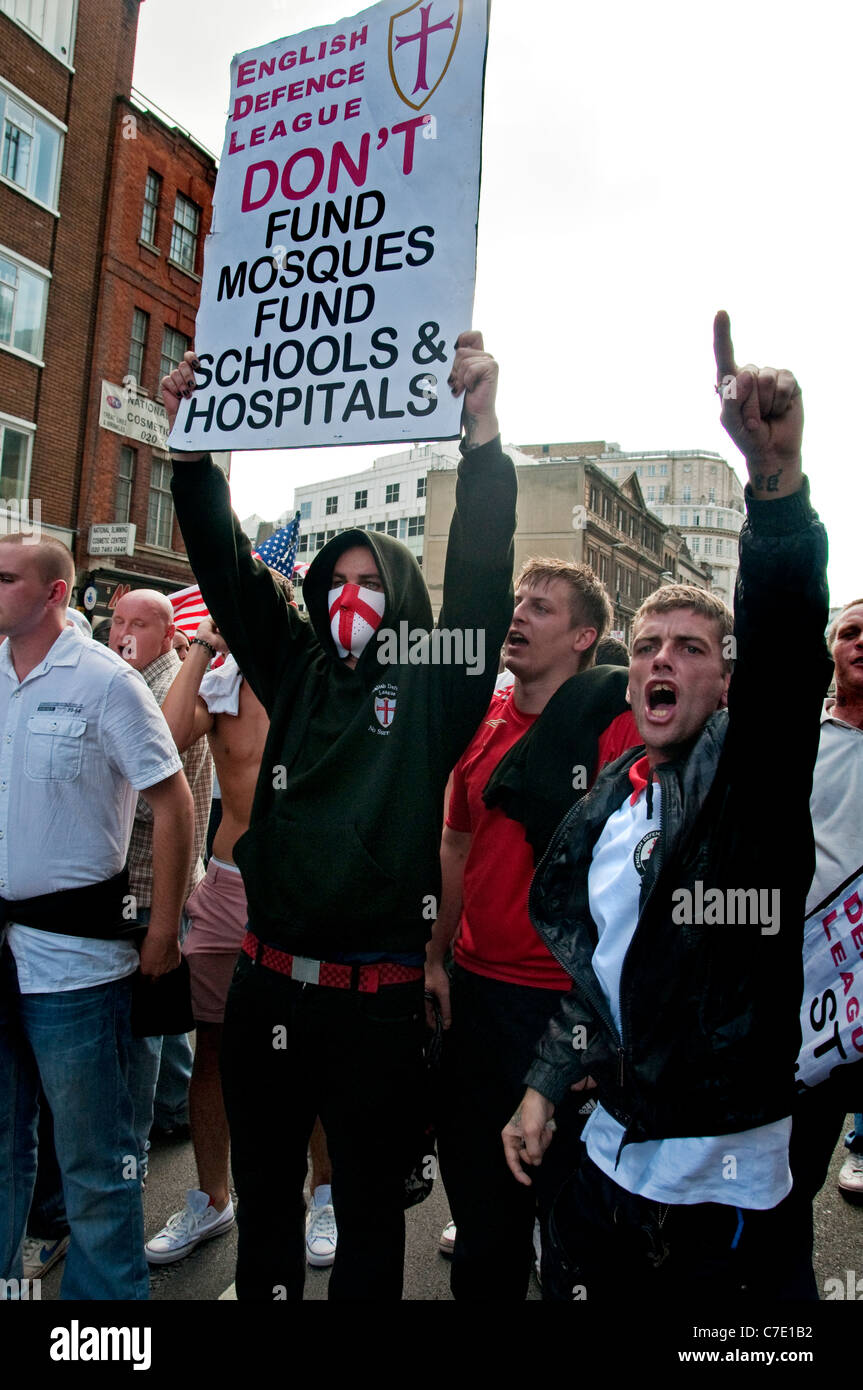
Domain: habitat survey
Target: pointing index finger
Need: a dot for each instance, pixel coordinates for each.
(723, 348)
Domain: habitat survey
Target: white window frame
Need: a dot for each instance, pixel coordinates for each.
(41, 114)
(181, 232)
(39, 270)
(8, 7)
(160, 492)
(151, 240)
(163, 356)
(19, 426)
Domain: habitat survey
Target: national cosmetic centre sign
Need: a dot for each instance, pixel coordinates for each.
(340, 268)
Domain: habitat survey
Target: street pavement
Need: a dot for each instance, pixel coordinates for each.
(208, 1273)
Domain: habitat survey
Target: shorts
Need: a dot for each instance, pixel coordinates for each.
(218, 915)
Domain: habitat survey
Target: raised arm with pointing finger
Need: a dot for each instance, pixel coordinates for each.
(674, 893)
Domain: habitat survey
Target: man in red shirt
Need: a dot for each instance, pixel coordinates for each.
(506, 984)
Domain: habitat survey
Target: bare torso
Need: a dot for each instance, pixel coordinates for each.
(237, 744)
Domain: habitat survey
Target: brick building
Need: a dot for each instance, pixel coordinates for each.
(62, 66)
(570, 508)
(104, 206)
(158, 214)
(696, 491)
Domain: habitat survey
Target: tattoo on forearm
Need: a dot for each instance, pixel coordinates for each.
(767, 482)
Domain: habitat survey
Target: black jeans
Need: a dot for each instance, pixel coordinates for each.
(487, 1051)
(604, 1240)
(290, 1052)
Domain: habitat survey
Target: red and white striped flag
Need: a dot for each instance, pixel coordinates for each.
(189, 608)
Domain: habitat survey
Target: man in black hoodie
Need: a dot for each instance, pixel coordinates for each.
(340, 861)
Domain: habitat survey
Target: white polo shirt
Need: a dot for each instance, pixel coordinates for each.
(80, 736)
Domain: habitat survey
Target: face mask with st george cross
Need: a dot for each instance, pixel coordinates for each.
(355, 615)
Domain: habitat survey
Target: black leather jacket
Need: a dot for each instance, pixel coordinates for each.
(710, 1014)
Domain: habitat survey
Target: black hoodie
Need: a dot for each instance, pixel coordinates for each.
(341, 854)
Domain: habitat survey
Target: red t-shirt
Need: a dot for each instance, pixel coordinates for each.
(496, 936)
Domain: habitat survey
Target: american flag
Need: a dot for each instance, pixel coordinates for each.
(278, 551)
(190, 610)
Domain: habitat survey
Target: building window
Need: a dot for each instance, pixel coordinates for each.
(687, 494)
(174, 346)
(403, 528)
(49, 21)
(603, 568)
(184, 233)
(361, 499)
(317, 540)
(627, 579)
(160, 510)
(305, 511)
(392, 528)
(392, 493)
(421, 487)
(684, 517)
(30, 149)
(15, 446)
(708, 545)
(651, 494)
(23, 296)
(416, 526)
(606, 507)
(380, 526)
(332, 506)
(152, 192)
(331, 535)
(711, 496)
(138, 343)
(594, 503)
(591, 558)
(663, 470)
(651, 472)
(695, 545)
(125, 479)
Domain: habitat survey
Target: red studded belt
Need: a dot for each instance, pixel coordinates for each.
(368, 979)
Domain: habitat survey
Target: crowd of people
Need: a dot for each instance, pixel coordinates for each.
(429, 901)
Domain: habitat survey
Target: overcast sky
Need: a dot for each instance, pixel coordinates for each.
(643, 165)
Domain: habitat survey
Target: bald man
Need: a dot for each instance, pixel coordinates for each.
(142, 633)
(80, 736)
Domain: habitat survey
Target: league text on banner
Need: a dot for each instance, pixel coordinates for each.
(340, 266)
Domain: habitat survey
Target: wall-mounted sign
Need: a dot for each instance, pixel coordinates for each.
(112, 538)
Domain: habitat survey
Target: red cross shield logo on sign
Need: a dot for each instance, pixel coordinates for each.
(421, 44)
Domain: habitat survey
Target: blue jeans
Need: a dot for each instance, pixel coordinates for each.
(160, 1070)
(77, 1044)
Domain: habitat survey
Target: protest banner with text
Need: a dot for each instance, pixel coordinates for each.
(340, 266)
(831, 1019)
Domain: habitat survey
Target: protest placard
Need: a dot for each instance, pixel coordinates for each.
(340, 266)
(830, 1018)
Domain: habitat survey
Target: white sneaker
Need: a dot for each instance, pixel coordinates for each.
(446, 1244)
(187, 1228)
(321, 1234)
(38, 1256)
(851, 1175)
